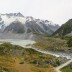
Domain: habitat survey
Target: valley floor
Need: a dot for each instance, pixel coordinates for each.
(14, 64)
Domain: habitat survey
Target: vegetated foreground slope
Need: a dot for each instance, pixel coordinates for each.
(14, 58)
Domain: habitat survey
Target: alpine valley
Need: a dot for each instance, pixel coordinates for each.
(34, 45)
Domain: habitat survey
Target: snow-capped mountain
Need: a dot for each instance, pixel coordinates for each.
(17, 23)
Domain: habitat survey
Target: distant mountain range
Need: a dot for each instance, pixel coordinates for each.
(19, 24)
(65, 29)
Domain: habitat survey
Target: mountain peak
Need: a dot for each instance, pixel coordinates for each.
(16, 21)
(13, 14)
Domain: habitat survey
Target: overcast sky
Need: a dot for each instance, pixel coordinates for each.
(57, 11)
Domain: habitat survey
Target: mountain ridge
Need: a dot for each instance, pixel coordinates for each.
(65, 29)
(30, 24)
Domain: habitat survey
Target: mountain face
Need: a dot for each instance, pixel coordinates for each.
(65, 29)
(15, 27)
(17, 23)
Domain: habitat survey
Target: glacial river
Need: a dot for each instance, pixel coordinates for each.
(24, 43)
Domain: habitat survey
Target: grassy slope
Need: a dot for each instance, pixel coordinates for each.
(17, 59)
(16, 67)
(52, 44)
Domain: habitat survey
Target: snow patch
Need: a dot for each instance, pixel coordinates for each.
(7, 20)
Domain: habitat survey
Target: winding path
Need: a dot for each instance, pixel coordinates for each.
(63, 65)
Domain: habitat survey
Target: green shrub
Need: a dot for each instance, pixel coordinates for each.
(21, 63)
(69, 42)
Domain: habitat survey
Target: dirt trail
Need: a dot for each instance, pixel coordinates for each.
(63, 65)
